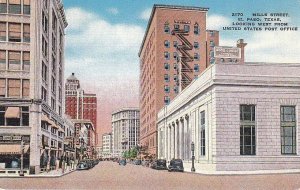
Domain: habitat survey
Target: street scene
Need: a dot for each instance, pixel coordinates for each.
(109, 175)
(149, 94)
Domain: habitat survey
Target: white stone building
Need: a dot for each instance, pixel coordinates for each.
(240, 118)
(31, 83)
(106, 145)
(125, 130)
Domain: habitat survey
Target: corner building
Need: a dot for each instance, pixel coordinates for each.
(31, 82)
(173, 53)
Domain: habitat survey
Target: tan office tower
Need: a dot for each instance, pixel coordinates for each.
(173, 53)
(31, 83)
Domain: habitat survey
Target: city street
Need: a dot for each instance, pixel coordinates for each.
(109, 175)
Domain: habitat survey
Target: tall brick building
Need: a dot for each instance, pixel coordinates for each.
(176, 48)
(80, 105)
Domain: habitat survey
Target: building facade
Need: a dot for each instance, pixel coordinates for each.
(31, 82)
(125, 130)
(80, 105)
(106, 145)
(238, 120)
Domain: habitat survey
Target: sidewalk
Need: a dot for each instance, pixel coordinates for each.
(52, 173)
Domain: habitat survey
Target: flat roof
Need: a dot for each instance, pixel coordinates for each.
(126, 109)
(163, 6)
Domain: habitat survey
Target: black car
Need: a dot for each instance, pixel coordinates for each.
(159, 164)
(82, 166)
(122, 162)
(176, 165)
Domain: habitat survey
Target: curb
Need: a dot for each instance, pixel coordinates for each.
(39, 176)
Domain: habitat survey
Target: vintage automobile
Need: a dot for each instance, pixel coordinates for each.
(176, 165)
(159, 164)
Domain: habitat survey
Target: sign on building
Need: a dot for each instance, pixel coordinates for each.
(227, 52)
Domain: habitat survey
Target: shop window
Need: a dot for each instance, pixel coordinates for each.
(14, 6)
(14, 86)
(26, 61)
(26, 88)
(3, 6)
(2, 31)
(2, 60)
(288, 129)
(2, 87)
(14, 32)
(26, 33)
(14, 60)
(247, 130)
(26, 7)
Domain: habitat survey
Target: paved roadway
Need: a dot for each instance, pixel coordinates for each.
(109, 175)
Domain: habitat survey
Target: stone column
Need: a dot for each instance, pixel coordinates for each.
(166, 142)
(169, 142)
(176, 140)
(186, 140)
(183, 139)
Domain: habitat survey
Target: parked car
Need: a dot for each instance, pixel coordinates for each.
(176, 165)
(122, 162)
(137, 162)
(82, 166)
(159, 164)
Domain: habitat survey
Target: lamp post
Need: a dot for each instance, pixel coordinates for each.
(193, 157)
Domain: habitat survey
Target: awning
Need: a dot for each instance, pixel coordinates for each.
(12, 149)
(61, 129)
(45, 119)
(12, 112)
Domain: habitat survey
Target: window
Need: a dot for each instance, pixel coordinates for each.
(14, 32)
(176, 27)
(45, 22)
(26, 33)
(186, 28)
(196, 45)
(175, 55)
(14, 60)
(52, 103)
(222, 59)
(211, 33)
(166, 100)
(2, 60)
(167, 89)
(167, 29)
(288, 129)
(53, 85)
(44, 94)
(211, 53)
(167, 55)
(45, 47)
(175, 77)
(247, 130)
(176, 89)
(167, 44)
(25, 88)
(3, 6)
(175, 44)
(175, 66)
(212, 60)
(25, 116)
(54, 22)
(44, 72)
(14, 86)
(2, 31)
(167, 78)
(26, 61)
(2, 87)
(14, 6)
(196, 56)
(212, 43)
(196, 29)
(167, 66)
(26, 7)
(202, 133)
(54, 43)
(2, 115)
(196, 67)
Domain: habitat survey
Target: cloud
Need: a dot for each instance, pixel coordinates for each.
(145, 15)
(215, 22)
(113, 11)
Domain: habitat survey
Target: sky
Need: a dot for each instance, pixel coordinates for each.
(104, 36)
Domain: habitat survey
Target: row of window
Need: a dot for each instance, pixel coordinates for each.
(14, 32)
(16, 60)
(186, 28)
(175, 44)
(15, 6)
(14, 88)
(167, 89)
(167, 67)
(176, 56)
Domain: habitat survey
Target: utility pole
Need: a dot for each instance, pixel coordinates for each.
(22, 158)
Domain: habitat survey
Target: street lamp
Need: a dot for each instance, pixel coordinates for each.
(193, 156)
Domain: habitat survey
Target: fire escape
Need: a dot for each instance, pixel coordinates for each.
(184, 70)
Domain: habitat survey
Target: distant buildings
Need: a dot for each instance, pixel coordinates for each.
(125, 130)
(80, 105)
(106, 145)
(239, 117)
(31, 83)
